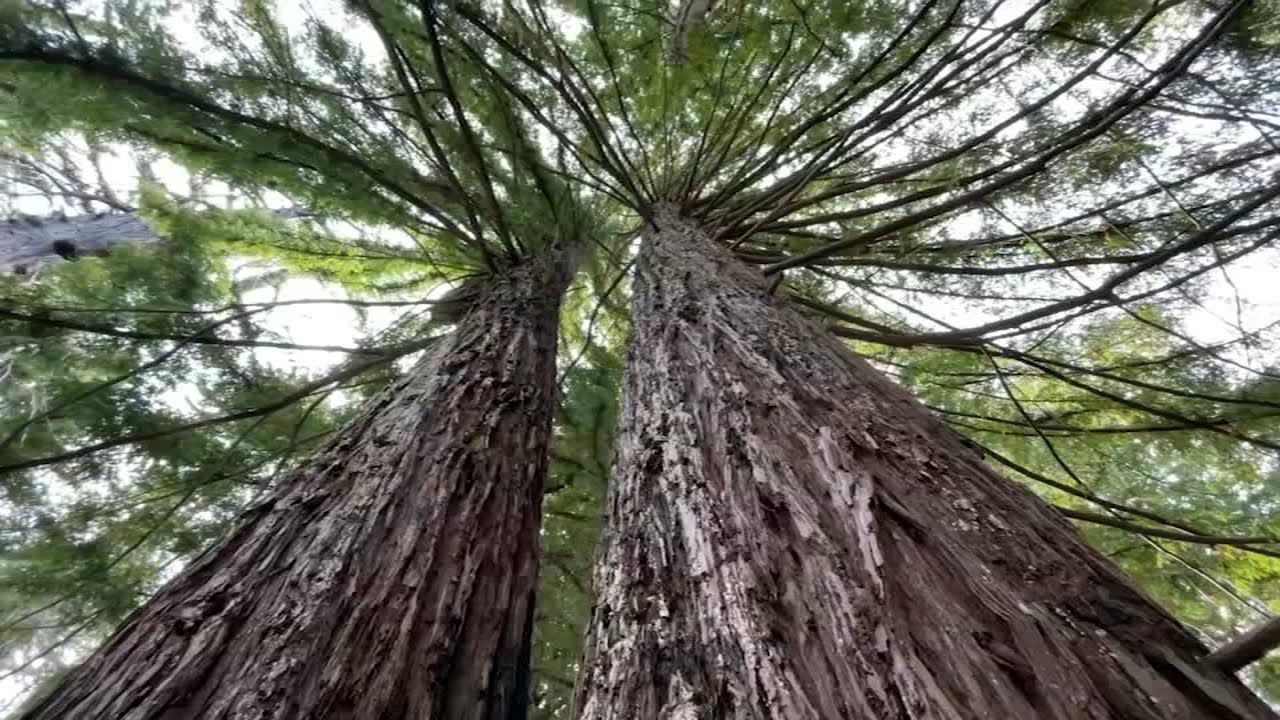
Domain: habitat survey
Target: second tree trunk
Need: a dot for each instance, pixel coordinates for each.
(392, 576)
(793, 537)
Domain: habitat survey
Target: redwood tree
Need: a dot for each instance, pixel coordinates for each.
(392, 573)
(1026, 160)
(1080, 178)
(791, 535)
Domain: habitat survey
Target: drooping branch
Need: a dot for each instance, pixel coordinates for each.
(1248, 648)
(1248, 543)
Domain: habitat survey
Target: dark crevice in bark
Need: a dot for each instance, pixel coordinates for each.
(791, 535)
(392, 575)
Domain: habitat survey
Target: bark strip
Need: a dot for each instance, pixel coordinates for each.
(392, 576)
(792, 536)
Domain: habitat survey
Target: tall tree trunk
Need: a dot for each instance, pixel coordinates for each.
(392, 576)
(791, 536)
(29, 243)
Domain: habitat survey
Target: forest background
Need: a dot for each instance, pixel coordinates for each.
(1053, 222)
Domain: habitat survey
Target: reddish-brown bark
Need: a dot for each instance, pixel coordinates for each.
(793, 537)
(392, 576)
(27, 244)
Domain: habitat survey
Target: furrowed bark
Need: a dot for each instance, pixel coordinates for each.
(392, 576)
(793, 536)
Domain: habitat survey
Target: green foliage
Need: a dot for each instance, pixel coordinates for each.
(83, 542)
(135, 345)
(572, 519)
(1211, 481)
(957, 187)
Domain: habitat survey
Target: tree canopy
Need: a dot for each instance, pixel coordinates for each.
(1052, 220)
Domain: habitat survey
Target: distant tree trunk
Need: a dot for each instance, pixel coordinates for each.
(392, 576)
(28, 243)
(791, 536)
